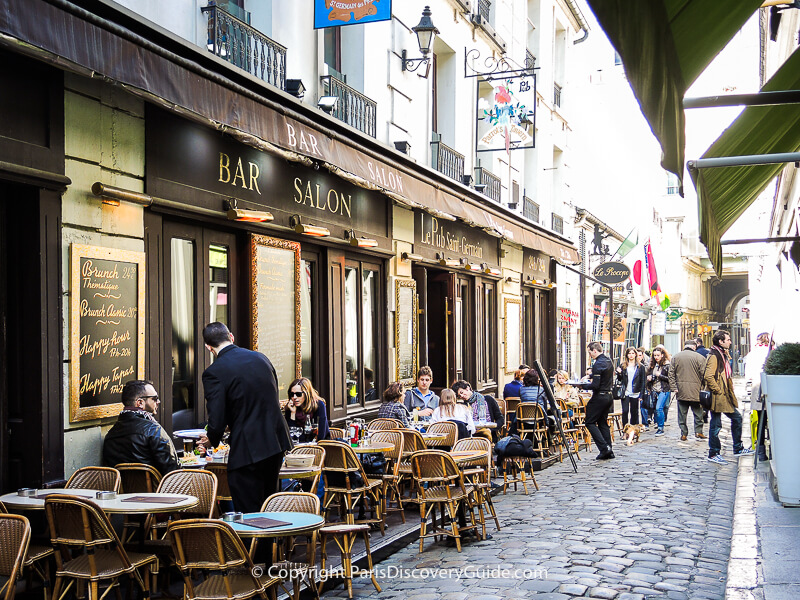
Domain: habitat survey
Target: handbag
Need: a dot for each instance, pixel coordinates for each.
(705, 399)
(649, 401)
(616, 391)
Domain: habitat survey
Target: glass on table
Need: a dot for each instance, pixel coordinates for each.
(188, 446)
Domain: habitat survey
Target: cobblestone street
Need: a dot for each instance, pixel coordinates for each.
(655, 522)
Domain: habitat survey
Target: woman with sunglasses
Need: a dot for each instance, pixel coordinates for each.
(305, 413)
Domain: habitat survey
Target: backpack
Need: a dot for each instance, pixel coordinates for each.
(513, 445)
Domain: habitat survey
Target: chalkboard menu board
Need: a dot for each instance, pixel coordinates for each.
(405, 330)
(106, 328)
(275, 296)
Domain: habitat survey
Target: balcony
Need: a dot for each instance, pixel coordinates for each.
(530, 60)
(530, 210)
(485, 9)
(354, 108)
(490, 181)
(558, 224)
(482, 20)
(556, 95)
(447, 161)
(235, 41)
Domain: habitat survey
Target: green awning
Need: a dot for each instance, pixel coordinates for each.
(664, 46)
(724, 193)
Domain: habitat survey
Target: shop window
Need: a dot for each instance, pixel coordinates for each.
(362, 333)
(184, 372)
(218, 283)
(307, 334)
(487, 335)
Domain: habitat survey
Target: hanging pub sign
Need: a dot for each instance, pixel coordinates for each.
(611, 273)
(506, 103)
(335, 13)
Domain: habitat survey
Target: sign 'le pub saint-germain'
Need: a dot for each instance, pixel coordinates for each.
(196, 165)
(434, 237)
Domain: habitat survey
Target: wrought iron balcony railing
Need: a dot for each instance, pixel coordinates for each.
(446, 160)
(240, 44)
(530, 210)
(556, 94)
(354, 108)
(491, 181)
(484, 9)
(530, 60)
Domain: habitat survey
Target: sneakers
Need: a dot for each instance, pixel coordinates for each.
(717, 460)
(744, 452)
(659, 432)
(645, 428)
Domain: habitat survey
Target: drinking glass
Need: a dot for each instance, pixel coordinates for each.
(188, 446)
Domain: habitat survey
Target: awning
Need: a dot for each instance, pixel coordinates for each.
(73, 38)
(665, 45)
(724, 193)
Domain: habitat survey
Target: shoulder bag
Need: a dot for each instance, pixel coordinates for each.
(705, 394)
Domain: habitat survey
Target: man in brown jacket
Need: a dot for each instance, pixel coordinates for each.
(717, 376)
(685, 378)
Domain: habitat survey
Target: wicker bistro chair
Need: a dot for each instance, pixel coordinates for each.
(220, 469)
(336, 433)
(451, 429)
(347, 484)
(95, 478)
(579, 418)
(392, 477)
(384, 424)
(511, 410)
(300, 572)
(318, 452)
(532, 424)
(502, 429)
(15, 534)
(214, 547)
(571, 431)
(79, 524)
(412, 442)
(37, 559)
(136, 478)
(345, 537)
(440, 483)
(478, 473)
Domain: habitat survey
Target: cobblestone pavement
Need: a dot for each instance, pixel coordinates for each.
(654, 522)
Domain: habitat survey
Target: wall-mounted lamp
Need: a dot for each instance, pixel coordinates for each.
(448, 262)
(512, 280)
(425, 31)
(112, 196)
(328, 103)
(493, 271)
(408, 257)
(471, 266)
(359, 242)
(312, 230)
(403, 146)
(296, 88)
(466, 180)
(235, 213)
(480, 188)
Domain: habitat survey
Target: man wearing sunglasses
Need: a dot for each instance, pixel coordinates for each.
(137, 437)
(241, 390)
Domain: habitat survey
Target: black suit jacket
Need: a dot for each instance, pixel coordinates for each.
(241, 391)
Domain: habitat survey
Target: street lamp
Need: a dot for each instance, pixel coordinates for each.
(425, 31)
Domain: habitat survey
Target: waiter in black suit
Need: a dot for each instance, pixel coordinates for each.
(601, 402)
(241, 391)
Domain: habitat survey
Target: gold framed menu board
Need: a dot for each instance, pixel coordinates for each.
(275, 301)
(106, 328)
(405, 330)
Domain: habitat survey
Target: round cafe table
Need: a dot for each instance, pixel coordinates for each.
(434, 437)
(373, 448)
(296, 523)
(299, 472)
(463, 456)
(129, 504)
(485, 425)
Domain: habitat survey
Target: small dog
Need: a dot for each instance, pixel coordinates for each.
(631, 433)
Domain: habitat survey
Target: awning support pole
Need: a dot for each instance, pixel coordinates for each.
(743, 161)
(789, 238)
(759, 99)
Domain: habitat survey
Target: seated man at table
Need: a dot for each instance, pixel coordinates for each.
(484, 409)
(422, 397)
(137, 437)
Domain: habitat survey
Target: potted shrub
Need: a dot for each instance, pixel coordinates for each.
(780, 383)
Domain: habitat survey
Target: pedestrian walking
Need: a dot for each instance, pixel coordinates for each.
(241, 390)
(658, 384)
(686, 378)
(717, 375)
(631, 375)
(601, 402)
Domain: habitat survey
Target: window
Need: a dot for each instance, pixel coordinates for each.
(308, 271)
(486, 337)
(184, 370)
(673, 185)
(558, 224)
(333, 51)
(362, 332)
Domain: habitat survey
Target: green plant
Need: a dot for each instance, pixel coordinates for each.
(784, 360)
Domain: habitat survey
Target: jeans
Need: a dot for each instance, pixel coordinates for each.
(683, 411)
(632, 404)
(661, 411)
(645, 415)
(714, 447)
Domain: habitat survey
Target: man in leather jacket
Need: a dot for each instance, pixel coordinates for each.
(601, 402)
(137, 436)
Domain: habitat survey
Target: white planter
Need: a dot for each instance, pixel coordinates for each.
(783, 411)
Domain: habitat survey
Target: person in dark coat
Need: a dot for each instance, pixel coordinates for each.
(241, 390)
(601, 402)
(137, 437)
(631, 375)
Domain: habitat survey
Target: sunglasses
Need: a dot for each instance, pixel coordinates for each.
(295, 394)
(153, 398)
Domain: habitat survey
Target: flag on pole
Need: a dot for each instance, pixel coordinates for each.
(629, 243)
(650, 264)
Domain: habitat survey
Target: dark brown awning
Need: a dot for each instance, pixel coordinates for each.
(86, 43)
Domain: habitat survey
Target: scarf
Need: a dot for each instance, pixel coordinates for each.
(724, 354)
(140, 412)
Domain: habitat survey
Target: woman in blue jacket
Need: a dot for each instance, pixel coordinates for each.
(631, 375)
